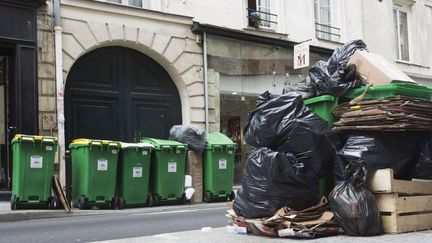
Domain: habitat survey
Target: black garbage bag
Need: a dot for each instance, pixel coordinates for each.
(283, 123)
(334, 77)
(340, 57)
(303, 88)
(264, 125)
(193, 136)
(381, 150)
(272, 180)
(354, 205)
(423, 169)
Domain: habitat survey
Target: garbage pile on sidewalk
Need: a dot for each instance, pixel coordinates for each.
(315, 221)
(294, 144)
(296, 147)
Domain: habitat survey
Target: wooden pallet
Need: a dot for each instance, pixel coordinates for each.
(405, 206)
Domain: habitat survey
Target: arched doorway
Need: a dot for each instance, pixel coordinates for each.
(120, 94)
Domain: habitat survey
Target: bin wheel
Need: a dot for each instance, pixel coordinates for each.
(13, 202)
(120, 203)
(113, 203)
(156, 200)
(81, 203)
(207, 197)
(183, 199)
(53, 202)
(232, 196)
(149, 200)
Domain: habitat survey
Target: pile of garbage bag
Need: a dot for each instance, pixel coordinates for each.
(332, 77)
(382, 150)
(293, 145)
(295, 149)
(272, 180)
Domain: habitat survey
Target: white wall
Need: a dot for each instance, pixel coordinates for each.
(224, 13)
(370, 20)
(379, 35)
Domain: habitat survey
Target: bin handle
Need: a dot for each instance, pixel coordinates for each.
(111, 144)
(166, 147)
(29, 138)
(216, 146)
(45, 139)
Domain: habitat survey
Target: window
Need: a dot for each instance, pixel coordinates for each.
(323, 21)
(264, 7)
(259, 14)
(401, 34)
(135, 3)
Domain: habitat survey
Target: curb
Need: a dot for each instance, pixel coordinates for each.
(21, 216)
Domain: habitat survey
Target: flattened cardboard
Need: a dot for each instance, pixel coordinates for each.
(194, 168)
(375, 69)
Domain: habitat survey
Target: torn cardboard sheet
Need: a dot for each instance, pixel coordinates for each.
(316, 221)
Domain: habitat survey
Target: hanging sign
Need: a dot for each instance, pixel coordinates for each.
(301, 55)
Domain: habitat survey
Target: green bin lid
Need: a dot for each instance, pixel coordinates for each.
(388, 90)
(160, 143)
(137, 145)
(320, 99)
(82, 142)
(217, 138)
(34, 138)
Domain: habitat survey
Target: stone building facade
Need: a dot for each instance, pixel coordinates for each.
(89, 25)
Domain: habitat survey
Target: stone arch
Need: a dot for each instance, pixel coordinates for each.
(162, 59)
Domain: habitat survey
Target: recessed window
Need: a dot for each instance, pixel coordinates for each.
(260, 15)
(400, 19)
(324, 26)
(135, 3)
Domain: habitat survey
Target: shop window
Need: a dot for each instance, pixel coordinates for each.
(241, 71)
(260, 14)
(400, 19)
(324, 21)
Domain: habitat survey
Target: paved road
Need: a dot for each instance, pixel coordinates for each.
(115, 225)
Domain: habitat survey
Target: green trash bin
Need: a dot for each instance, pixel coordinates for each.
(218, 168)
(32, 171)
(390, 90)
(323, 106)
(134, 172)
(94, 170)
(167, 176)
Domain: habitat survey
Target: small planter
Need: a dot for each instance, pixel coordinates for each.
(255, 19)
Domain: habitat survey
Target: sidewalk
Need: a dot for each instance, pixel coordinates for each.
(6, 214)
(220, 235)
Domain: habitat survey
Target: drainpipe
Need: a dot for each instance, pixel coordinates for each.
(205, 83)
(59, 91)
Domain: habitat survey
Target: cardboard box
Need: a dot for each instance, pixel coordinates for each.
(376, 70)
(194, 168)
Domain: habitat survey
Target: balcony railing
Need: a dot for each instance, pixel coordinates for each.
(327, 32)
(261, 19)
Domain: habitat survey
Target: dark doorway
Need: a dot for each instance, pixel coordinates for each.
(8, 100)
(120, 94)
(4, 165)
(18, 80)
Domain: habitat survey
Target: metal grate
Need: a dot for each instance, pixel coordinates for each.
(327, 32)
(266, 19)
